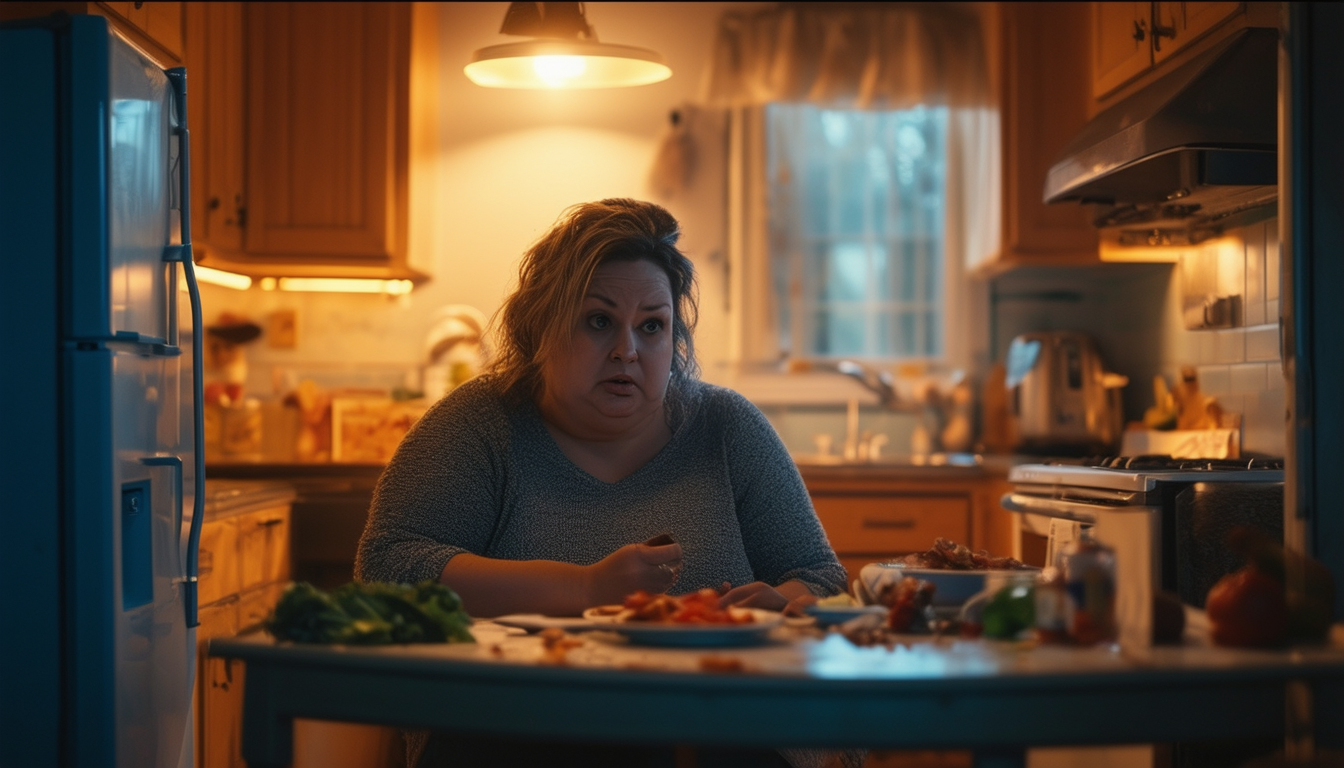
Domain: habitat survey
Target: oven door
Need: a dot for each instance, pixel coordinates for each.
(1133, 531)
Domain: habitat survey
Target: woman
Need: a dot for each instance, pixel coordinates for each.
(589, 461)
(532, 488)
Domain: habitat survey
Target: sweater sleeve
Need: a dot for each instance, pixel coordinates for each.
(780, 530)
(441, 492)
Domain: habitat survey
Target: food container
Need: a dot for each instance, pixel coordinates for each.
(369, 429)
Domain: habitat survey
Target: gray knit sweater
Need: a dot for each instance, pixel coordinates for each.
(475, 475)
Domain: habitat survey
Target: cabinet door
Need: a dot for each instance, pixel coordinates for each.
(219, 691)
(263, 547)
(217, 561)
(215, 66)
(1046, 97)
(163, 23)
(1185, 23)
(1121, 45)
(322, 97)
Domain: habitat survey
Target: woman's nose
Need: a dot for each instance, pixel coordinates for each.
(625, 348)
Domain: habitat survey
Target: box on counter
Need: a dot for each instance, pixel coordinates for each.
(368, 429)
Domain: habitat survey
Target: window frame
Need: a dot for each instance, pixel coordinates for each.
(972, 226)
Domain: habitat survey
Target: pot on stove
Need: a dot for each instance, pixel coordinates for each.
(1061, 400)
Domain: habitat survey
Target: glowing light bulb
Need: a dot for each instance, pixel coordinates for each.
(555, 71)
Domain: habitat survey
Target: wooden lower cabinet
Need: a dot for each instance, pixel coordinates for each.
(244, 567)
(869, 516)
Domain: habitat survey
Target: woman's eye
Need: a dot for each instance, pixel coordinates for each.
(599, 322)
(653, 326)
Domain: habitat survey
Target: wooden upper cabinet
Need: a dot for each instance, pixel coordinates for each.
(154, 27)
(1183, 23)
(1040, 53)
(215, 95)
(1122, 46)
(320, 127)
(318, 118)
(1132, 43)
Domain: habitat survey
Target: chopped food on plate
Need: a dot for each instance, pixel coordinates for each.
(949, 555)
(700, 607)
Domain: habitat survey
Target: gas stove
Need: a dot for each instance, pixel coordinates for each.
(1145, 473)
(1167, 519)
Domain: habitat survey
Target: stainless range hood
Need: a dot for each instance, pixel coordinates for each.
(1195, 151)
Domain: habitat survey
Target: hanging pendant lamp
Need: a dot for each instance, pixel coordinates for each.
(564, 53)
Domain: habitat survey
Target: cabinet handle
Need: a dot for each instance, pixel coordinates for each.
(1160, 31)
(271, 522)
(1139, 32)
(905, 524)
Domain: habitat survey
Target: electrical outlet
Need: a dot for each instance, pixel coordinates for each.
(282, 329)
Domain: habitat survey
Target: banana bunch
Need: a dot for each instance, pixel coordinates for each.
(1165, 410)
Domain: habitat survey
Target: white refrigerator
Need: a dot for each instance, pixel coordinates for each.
(102, 429)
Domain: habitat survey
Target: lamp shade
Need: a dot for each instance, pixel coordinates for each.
(557, 64)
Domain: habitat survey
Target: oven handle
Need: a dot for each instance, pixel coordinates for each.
(1067, 510)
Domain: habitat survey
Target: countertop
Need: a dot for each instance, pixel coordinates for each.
(225, 498)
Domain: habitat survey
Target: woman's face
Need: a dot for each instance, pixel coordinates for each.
(616, 375)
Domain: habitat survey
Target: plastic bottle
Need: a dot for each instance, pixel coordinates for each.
(1089, 579)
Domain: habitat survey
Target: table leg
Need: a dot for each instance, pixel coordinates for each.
(999, 757)
(268, 736)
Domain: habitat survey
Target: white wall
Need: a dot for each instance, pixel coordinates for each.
(509, 162)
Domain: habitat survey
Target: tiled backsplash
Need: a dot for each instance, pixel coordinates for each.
(1134, 311)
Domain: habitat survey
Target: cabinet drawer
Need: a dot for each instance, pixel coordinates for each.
(263, 546)
(891, 524)
(217, 561)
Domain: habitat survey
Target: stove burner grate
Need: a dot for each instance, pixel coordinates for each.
(1166, 462)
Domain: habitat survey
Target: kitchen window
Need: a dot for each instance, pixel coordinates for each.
(856, 201)
(851, 230)
(863, 176)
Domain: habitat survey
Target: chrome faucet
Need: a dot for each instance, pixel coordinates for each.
(879, 383)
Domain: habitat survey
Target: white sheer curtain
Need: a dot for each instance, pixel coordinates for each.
(883, 56)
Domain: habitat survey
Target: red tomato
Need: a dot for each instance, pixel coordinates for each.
(1248, 609)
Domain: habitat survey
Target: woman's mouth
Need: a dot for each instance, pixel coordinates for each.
(620, 385)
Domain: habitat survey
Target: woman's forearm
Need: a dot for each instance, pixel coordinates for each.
(491, 587)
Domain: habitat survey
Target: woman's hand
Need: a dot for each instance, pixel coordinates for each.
(789, 598)
(652, 566)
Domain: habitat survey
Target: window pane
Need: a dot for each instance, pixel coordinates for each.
(856, 228)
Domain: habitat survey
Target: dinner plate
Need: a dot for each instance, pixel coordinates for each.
(689, 635)
(839, 614)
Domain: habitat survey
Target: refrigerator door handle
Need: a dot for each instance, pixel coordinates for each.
(177, 76)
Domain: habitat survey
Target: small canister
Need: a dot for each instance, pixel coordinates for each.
(1089, 581)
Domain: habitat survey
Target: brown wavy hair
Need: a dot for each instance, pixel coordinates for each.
(537, 320)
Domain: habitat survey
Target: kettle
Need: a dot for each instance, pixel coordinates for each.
(1060, 397)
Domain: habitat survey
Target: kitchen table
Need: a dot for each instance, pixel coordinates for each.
(804, 689)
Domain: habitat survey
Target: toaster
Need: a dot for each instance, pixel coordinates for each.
(1061, 400)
